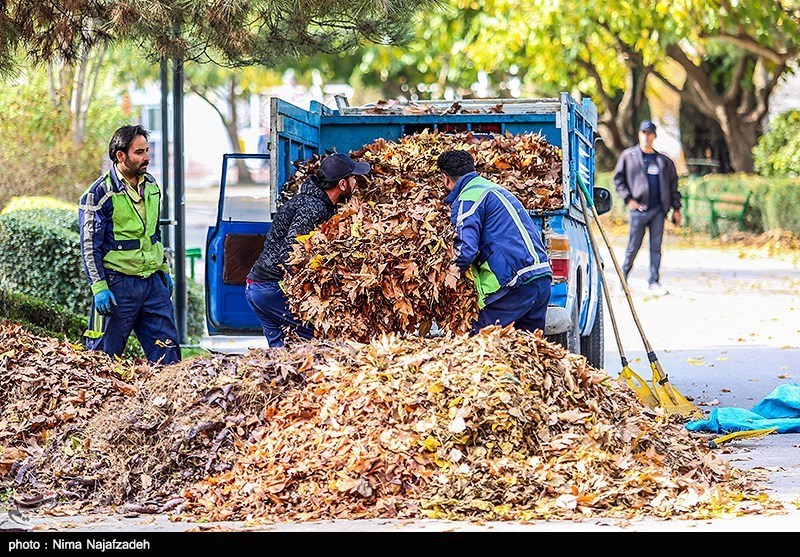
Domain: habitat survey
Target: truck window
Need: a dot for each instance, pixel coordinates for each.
(246, 196)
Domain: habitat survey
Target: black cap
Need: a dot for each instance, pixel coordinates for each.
(338, 166)
(647, 126)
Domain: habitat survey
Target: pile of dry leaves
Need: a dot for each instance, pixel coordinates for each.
(503, 425)
(182, 423)
(382, 264)
(47, 386)
(777, 241)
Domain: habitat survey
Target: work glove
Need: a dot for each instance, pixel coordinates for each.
(103, 301)
(169, 283)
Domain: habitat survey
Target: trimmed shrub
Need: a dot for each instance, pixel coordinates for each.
(55, 211)
(40, 256)
(778, 203)
(777, 152)
(774, 204)
(41, 317)
(196, 312)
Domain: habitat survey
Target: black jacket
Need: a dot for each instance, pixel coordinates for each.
(630, 179)
(300, 215)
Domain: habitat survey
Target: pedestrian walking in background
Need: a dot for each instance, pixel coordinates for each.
(647, 182)
(123, 256)
(498, 245)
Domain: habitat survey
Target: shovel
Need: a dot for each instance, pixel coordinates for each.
(630, 377)
(669, 398)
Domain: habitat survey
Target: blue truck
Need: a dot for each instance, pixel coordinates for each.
(575, 313)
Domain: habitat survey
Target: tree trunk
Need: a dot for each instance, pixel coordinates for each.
(229, 122)
(233, 133)
(739, 109)
(740, 137)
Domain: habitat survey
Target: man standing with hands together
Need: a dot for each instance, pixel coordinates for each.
(648, 183)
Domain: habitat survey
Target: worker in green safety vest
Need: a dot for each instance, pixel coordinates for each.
(123, 256)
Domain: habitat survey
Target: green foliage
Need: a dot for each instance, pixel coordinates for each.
(778, 151)
(778, 201)
(55, 211)
(196, 311)
(42, 317)
(774, 204)
(42, 158)
(230, 33)
(40, 256)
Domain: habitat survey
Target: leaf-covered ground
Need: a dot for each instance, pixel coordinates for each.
(503, 425)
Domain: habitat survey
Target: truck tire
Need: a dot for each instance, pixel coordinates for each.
(593, 346)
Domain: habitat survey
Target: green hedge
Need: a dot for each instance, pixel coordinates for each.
(41, 317)
(775, 203)
(40, 257)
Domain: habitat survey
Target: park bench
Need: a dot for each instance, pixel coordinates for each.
(730, 207)
(192, 254)
(723, 206)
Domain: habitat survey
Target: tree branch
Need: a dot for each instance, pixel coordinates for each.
(763, 96)
(736, 81)
(203, 96)
(751, 45)
(700, 81)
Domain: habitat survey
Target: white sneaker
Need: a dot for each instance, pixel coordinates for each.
(656, 289)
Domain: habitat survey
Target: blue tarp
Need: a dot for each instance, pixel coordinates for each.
(779, 409)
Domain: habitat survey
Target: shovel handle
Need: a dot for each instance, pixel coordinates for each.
(585, 190)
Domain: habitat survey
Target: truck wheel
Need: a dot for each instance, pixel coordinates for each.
(593, 346)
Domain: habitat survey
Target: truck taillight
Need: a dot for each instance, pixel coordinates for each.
(558, 252)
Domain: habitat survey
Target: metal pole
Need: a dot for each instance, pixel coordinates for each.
(634, 104)
(181, 300)
(166, 228)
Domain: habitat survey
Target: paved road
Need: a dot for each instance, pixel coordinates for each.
(726, 334)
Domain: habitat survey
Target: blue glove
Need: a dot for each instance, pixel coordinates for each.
(169, 283)
(103, 301)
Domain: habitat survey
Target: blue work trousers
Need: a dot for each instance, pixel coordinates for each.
(525, 306)
(143, 307)
(653, 223)
(268, 302)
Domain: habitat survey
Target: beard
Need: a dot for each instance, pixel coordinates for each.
(135, 170)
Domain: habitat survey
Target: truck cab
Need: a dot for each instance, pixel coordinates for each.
(244, 214)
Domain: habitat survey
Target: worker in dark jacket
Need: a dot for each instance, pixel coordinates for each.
(314, 204)
(123, 256)
(647, 182)
(499, 245)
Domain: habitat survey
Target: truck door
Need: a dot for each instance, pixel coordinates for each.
(244, 215)
(234, 243)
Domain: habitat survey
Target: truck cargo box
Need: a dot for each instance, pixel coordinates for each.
(233, 244)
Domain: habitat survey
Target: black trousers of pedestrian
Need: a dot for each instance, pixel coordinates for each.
(653, 223)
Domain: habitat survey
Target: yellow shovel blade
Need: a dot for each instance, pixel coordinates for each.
(746, 434)
(639, 386)
(668, 396)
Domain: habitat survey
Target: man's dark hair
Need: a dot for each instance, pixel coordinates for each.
(122, 139)
(456, 163)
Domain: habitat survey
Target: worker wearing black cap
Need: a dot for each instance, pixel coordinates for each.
(648, 183)
(314, 204)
